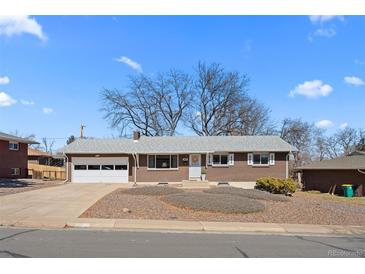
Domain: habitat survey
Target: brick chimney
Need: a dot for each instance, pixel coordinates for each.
(136, 135)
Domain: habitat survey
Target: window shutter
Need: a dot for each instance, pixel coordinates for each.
(231, 159)
(272, 159)
(249, 159)
(210, 159)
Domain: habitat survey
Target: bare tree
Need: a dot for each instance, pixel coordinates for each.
(299, 134)
(48, 144)
(344, 142)
(217, 98)
(361, 144)
(333, 149)
(133, 108)
(253, 118)
(320, 144)
(172, 93)
(153, 106)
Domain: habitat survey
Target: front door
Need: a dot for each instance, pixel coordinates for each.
(195, 170)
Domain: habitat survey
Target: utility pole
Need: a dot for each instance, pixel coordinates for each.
(82, 131)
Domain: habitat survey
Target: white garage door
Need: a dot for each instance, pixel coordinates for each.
(100, 169)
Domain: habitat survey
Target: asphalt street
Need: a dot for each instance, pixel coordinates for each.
(21, 243)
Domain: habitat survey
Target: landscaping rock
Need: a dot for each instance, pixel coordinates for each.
(126, 210)
(214, 202)
(248, 193)
(153, 190)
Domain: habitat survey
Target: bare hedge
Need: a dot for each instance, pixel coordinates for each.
(153, 190)
(214, 202)
(248, 193)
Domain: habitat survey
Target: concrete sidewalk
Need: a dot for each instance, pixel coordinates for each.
(265, 228)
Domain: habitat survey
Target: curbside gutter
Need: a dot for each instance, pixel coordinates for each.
(218, 227)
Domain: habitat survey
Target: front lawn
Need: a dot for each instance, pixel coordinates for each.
(224, 204)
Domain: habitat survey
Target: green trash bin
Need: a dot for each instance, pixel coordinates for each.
(347, 190)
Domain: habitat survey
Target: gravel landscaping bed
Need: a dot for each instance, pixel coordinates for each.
(214, 202)
(248, 193)
(153, 190)
(11, 186)
(300, 209)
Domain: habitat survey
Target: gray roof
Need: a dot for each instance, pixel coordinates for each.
(180, 144)
(353, 161)
(8, 137)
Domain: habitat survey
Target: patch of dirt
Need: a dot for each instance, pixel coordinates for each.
(207, 202)
(153, 190)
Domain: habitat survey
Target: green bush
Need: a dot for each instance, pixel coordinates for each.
(276, 186)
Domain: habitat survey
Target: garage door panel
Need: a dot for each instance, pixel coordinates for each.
(106, 175)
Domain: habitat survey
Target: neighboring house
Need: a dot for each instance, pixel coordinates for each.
(13, 156)
(326, 174)
(40, 157)
(36, 156)
(177, 158)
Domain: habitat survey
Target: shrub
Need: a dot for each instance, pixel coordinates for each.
(248, 193)
(153, 190)
(276, 186)
(214, 202)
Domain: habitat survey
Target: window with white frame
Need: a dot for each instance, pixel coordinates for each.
(261, 159)
(162, 161)
(13, 145)
(220, 159)
(15, 171)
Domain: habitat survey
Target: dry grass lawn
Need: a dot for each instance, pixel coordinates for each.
(333, 198)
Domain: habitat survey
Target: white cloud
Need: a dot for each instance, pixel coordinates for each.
(359, 62)
(4, 80)
(129, 62)
(47, 110)
(325, 18)
(311, 89)
(324, 124)
(6, 100)
(353, 80)
(344, 125)
(324, 32)
(16, 25)
(27, 103)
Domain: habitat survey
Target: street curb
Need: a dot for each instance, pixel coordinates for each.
(219, 227)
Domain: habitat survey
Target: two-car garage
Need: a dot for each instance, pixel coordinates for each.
(99, 169)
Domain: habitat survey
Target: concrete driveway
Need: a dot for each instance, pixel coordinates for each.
(51, 207)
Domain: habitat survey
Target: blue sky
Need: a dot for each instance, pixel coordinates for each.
(53, 68)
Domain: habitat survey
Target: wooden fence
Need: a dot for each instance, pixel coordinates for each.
(44, 172)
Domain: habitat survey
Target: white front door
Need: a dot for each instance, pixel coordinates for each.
(195, 170)
(99, 169)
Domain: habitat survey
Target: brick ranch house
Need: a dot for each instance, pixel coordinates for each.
(326, 174)
(13, 156)
(175, 159)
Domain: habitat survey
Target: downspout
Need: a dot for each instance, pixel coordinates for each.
(135, 168)
(287, 165)
(66, 164)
